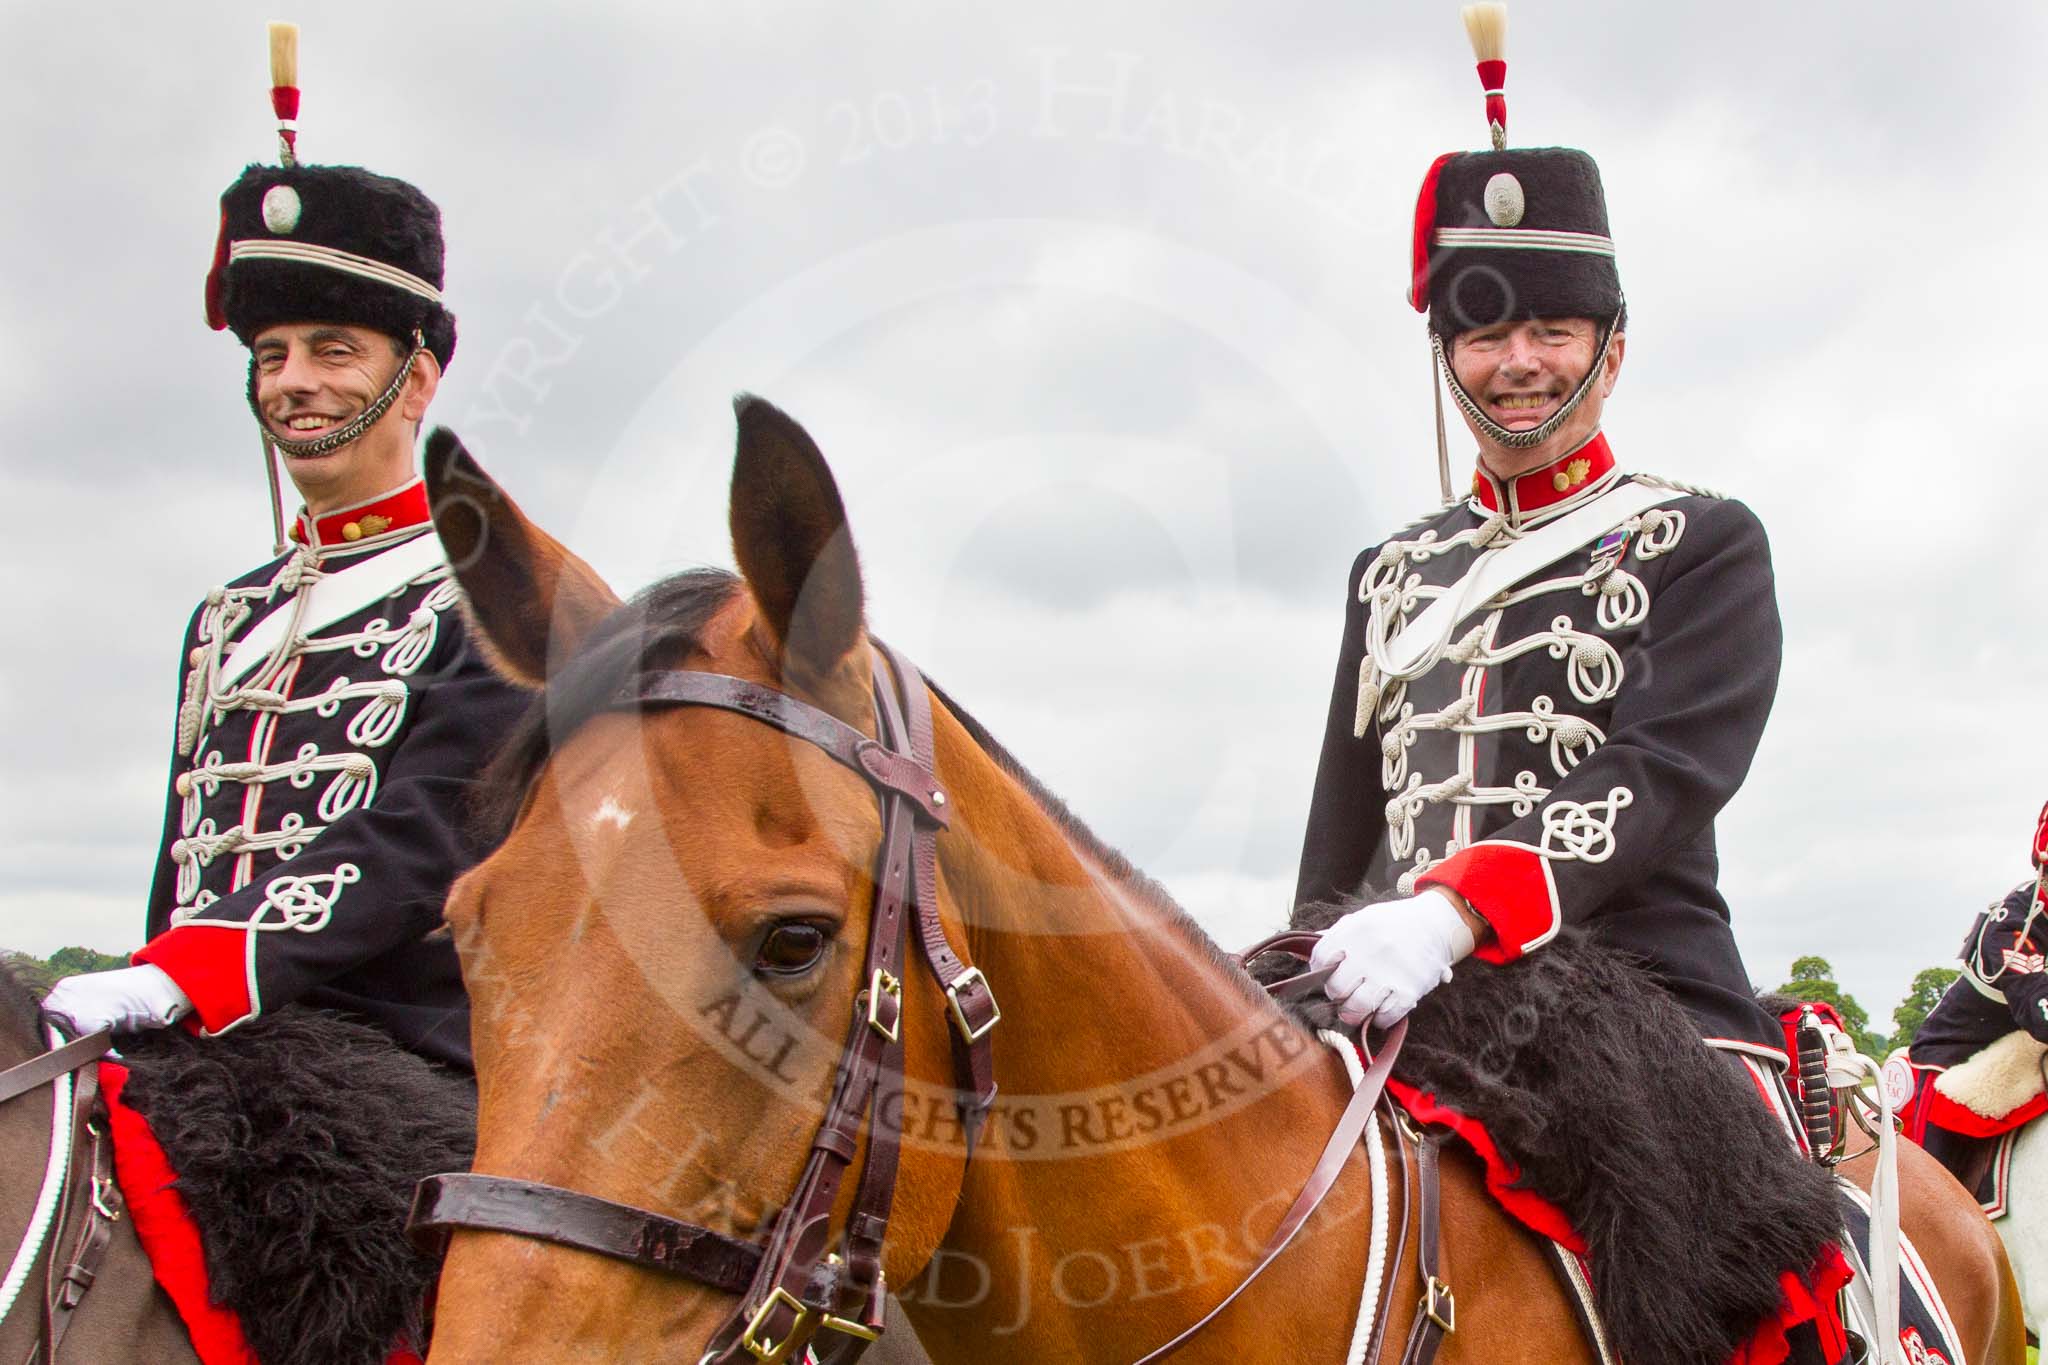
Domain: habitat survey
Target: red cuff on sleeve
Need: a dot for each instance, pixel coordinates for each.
(209, 964)
(1507, 885)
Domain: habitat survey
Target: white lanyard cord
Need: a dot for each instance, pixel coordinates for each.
(52, 1192)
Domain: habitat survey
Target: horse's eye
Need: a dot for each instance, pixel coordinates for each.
(791, 949)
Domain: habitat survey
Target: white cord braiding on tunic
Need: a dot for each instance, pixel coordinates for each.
(1376, 1162)
(296, 577)
(1378, 638)
(41, 1220)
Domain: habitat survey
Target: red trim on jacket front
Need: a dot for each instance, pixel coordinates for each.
(164, 1227)
(1562, 480)
(1510, 887)
(398, 510)
(210, 964)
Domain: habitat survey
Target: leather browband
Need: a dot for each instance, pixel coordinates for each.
(887, 771)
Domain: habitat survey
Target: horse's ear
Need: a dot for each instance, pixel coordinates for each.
(528, 597)
(790, 539)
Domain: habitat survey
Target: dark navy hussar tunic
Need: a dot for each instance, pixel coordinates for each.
(1553, 741)
(320, 801)
(2003, 986)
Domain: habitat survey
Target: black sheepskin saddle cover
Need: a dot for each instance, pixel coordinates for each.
(1593, 1081)
(297, 1139)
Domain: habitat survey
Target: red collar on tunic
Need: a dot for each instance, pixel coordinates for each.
(401, 509)
(1563, 480)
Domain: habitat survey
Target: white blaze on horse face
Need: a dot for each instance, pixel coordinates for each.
(600, 841)
(610, 815)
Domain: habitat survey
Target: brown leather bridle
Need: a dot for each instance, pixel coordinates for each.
(67, 1277)
(795, 1284)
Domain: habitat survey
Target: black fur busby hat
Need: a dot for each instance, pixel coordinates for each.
(325, 243)
(1511, 235)
(1507, 235)
(329, 244)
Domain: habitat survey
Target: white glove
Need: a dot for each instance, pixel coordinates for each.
(1390, 955)
(127, 998)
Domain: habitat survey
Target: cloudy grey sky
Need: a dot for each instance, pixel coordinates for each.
(1096, 310)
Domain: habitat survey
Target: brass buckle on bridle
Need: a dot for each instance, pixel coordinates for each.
(967, 1030)
(880, 986)
(776, 1352)
(1439, 1305)
(847, 1326)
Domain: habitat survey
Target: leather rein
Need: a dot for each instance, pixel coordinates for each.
(69, 1068)
(794, 1286)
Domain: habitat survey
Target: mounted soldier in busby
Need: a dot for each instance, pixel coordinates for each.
(332, 715)
(331, 709)
(1548, 687)
(1975, 1078)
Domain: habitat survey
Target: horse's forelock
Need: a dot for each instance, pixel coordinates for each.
(658, 626)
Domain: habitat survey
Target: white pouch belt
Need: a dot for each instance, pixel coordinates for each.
(335, 596)
(1500, 569)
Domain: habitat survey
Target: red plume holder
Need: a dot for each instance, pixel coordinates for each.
(1493, 78)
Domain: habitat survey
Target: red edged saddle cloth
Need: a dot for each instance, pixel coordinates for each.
(1808, 1297)
(168, 1235)
(1996, 1090)
(1931, 1106)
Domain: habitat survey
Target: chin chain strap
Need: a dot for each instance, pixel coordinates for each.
(333, 440)
(1494, 431)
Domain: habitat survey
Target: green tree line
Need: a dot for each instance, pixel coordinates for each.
(1813, 978)
(41, 973)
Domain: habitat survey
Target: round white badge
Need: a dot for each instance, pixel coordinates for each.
(281, 208)
(1504, 202)
(1897, 1079)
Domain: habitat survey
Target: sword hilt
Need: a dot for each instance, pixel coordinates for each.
(1816, 1104)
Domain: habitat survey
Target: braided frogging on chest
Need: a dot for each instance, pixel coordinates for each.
(1476, 727)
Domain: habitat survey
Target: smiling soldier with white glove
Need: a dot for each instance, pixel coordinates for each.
(333, 714)
(1550, 685)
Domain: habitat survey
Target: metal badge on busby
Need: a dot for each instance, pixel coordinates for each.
(1507, 235)
(338, 244)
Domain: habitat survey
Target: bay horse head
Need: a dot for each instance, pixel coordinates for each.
(665, 951)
